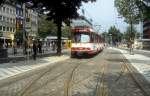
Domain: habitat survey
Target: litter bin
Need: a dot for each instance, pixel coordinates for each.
(3, 53)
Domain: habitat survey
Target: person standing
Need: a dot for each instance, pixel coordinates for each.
(34, 50)
(40, 46)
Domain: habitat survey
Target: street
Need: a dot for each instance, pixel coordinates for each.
(107, 74)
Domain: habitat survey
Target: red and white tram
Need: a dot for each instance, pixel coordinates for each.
(85, 41)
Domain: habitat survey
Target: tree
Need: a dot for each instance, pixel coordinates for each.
(46, 27)
(115, 33)
(143, 8)
(130, 11)
(105, 35)
(66, 30)
(130, 36)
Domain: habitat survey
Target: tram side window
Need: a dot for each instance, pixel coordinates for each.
(92, 38)
(77, 38)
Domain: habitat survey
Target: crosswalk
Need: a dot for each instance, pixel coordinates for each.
(11, 69)
(7, 72)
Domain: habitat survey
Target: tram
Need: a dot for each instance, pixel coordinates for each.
(85, 41)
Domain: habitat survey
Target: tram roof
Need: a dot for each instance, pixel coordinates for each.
(55, 37)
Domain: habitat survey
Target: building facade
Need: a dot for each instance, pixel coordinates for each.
(7, 24)
(17, 21)
(146, 29)
(19, 24)
(31, 25)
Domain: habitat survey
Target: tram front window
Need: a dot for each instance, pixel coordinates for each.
(81, 38)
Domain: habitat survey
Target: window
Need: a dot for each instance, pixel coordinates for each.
(17, 12)
(21, 22)
(7, 10)
(0, 28)
(14, 21)
(81, 38)
(21, 13)
(4, 28)
(4, 19)
(11, 29)
(4, 9)
(11, 11)
(11, 20)
(1, 18)
(7, 29)
(7, 19)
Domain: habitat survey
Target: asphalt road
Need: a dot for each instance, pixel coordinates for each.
(103, 75)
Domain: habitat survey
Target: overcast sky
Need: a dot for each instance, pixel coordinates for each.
(104, 13)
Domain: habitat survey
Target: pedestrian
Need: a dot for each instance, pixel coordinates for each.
(40, 46)
(53, 45)
(34, 50)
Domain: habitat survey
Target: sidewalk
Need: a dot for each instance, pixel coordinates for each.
(141, 50)
(140, 62)
(21, 57)
(12, 69)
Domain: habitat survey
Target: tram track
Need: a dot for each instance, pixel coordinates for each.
(69, 82)
(127, 69)
(29, 87)
(101, 88)
(31, 83)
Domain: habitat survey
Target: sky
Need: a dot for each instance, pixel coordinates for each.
(103, 13)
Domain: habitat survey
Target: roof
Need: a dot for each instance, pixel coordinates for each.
(54, 37)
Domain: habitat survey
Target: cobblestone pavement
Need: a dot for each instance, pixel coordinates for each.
(102, 75)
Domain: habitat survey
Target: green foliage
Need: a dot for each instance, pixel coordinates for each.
(105, 35)
(66, 31)
(143, 8)
(46, 27)
(130, 35)
(115, 33)
(129, 10)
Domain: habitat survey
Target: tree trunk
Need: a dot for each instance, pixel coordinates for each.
(59, 34)
(131, 38)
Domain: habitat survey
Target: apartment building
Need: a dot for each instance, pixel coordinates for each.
(7, 23)
(12, 23)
